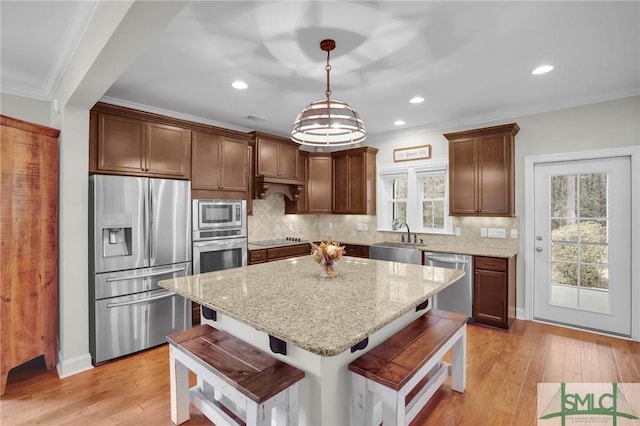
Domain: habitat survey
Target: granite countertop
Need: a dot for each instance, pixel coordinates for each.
(288, 299)
(445, 248)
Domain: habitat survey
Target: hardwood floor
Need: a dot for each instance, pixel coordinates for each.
(503, 370)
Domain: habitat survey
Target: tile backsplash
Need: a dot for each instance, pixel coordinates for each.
(269, 221)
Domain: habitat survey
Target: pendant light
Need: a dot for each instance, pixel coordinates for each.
(328, 122)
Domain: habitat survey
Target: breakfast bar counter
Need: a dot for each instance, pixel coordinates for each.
(321, 320)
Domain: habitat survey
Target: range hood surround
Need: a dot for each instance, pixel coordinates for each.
(267, 185)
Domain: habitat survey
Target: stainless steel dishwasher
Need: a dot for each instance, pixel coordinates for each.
(458, 296)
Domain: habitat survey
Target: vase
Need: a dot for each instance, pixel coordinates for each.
(328, 268)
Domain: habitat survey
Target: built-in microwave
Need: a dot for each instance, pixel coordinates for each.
(219, 214)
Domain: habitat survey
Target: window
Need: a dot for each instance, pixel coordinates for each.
(432, 199)
(417, 196)
(396, 190)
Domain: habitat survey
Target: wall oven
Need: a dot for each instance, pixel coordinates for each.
(219, 235)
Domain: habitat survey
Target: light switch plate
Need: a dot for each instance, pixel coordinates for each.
(457, 232)
(483, 232)
(514, 233)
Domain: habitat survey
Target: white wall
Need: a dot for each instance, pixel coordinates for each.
(597, 126)
(31, 110)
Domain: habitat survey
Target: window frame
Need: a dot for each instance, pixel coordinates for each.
(414, 200)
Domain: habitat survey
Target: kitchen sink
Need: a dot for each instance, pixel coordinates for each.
(396, 252)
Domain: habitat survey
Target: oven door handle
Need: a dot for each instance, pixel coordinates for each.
(219, 243)
(137, 302)
(151, 274)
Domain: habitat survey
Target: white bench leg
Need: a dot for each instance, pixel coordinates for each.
(393, 408)
(459, 362)
(179, 385)
(257, 415)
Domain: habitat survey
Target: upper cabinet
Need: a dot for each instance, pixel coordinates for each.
(276, 166)
(219, 166)
(319, 198)
(354, 181)
(481, 171)
(276, 156)
(129, 144)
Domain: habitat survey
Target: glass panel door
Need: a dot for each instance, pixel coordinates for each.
(582, 253)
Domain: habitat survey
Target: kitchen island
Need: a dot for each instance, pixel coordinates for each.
(321, 320)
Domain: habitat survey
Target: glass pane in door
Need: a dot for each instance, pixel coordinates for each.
(579, 246)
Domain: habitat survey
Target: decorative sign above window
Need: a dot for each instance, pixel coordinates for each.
(412, 153)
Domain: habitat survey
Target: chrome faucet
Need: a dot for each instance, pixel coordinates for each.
(397, 224)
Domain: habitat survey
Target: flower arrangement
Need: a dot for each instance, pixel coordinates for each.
(326, 253)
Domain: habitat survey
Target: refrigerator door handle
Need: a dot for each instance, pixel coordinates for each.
(152, 242)
(137, 302)
(151, 274)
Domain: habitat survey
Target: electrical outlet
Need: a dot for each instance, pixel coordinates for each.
(483, 232)
(365, 227)
(457, 230)
(330, 225)
(291, 227)
(497, 233)
(514, 233)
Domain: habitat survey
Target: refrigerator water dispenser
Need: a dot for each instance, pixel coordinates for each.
(116, 242)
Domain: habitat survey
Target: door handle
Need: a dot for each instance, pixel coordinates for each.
(138, 302)
(151, 274)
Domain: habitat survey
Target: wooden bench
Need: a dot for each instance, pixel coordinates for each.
(236, 383)
(406, 370)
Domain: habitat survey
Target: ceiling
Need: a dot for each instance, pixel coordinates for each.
(470, 61)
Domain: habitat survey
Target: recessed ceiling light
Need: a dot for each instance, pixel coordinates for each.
(241, 85)
(416, 100)
(542, 69)
(399, 123)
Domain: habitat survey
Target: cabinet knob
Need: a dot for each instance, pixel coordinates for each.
(538, 249)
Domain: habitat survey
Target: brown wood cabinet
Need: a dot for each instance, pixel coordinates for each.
(133, 146)
(494, 291)
(29, 235)
(276, 156)
(354, 181)
(219, 166)
(278, 253)
(356, 250)
(301, 205)
(482, 171)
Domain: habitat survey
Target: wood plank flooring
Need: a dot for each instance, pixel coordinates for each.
(503, 370)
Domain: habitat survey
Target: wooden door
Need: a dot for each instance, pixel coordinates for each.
(357, 184)
(341, 183)
(121, 144)
(463, 177)
(494, 180)
(288, 161)
(490, 297)
(267, 158)
(29, 235)
(319, 183)
(168, 151)
(233, 164)
(206, 157)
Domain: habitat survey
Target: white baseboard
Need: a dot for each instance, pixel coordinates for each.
(74, 365)
(520, 313)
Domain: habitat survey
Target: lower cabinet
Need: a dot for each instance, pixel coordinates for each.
(494, 291)
(356, 250)
(278, 253)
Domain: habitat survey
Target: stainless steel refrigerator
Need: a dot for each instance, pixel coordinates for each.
(140, 233)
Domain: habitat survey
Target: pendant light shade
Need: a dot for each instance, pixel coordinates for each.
(328, 122)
